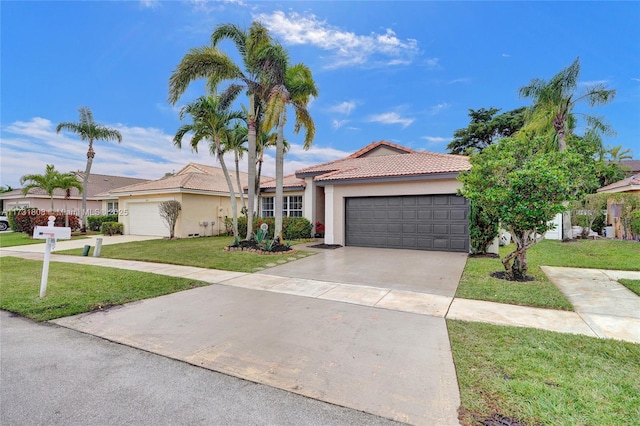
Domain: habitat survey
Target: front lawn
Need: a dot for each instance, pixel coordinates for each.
(73, 289)
(204, 252)
(539, 377)
(605, 254)
(633, 285)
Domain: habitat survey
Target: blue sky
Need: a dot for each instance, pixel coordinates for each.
(406, 72)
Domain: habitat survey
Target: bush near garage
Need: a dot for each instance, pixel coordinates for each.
(112, 228)
(95, 222)
(26, 220)
(293, 228)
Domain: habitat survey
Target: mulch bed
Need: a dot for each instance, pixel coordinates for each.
(488, 255)
(253, 247)
(326, 246)
(502, 275)
(498, 420)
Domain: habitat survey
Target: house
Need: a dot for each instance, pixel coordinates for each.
(98, 200)
(202, 192)
(631, 167)
(628, 185)
(384, 195)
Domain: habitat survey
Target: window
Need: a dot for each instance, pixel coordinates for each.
(112, 207)
(291, 206)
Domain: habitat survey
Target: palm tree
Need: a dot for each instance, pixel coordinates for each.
(48, 182)
(617, 154)
(66, 182)
(289, 85)
(215, 66)
(211, 122)
(235, 143)
(553, 110)
(265, 141)
(88, 130)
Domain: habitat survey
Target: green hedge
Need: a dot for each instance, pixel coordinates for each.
(95, 222)
(293, 228)
(111, 228)
(26, 220)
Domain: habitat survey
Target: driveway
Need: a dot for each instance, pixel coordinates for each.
(420, 271)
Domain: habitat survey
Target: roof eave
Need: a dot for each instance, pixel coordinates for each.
(383, 179)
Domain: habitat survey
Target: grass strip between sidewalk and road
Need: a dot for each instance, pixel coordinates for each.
(73, 289)
(538, 377)
(602, 254)
(203, 252)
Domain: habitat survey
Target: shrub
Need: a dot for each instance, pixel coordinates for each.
(482, 229)
(293, 228)
(634, 223)
(583, 221)
(95, 222)
(111, 228)
(11, 217)
(27, 220)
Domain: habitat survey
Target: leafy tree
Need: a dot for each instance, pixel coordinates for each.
(289, 85)
(169, 212)
(48, 182)
(553, 112)
(486, 128)
(88, 130)
(211, 121)
(483, 229)
(590, 208)
(216, 67)
(523, 185)
(66, 182)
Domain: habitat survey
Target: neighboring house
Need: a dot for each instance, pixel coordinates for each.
(385, 195)
(98, 200)
(202, 192)
(631, 167)
(629, 184)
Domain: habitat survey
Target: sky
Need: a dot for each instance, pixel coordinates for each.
(405, 72)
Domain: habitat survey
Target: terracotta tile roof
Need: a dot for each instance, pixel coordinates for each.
(196, 177)
(630, 183)
(410, 164)
(631, 166)
(289, 181)
(375, 145)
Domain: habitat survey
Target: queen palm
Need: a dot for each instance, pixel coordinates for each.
(66, 182)
(553, 111)
(48, 182)
(236, 144)
(265, 141)
(88, 130)
(211, 122)
(216, 67)
(289, 85)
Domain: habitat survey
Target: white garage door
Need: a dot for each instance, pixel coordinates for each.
(144, 219)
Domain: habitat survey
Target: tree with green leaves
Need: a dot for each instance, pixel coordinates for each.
(485, 128)
(211, 121)
(90, 131)
(553, 113)
(216, 67)
(524, 186)
(48, 182)
(66, 182)
(289, 86)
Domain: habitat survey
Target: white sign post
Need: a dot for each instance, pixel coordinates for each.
(50, 233)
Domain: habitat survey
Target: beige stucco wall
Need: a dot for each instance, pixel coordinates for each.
(335, 195)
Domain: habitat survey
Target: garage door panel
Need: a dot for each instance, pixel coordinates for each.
(424, 222)
(144, 219)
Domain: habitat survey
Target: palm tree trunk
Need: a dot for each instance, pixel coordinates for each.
(237, 160)
(258, 180)
(278, 202)
(559, 127)
(251, 142)
(85, 184)
(232, 192)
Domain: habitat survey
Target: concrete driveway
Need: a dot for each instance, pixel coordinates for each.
(432, 272)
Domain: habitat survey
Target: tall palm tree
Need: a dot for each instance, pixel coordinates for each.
(48, 182)
(88, 130)
(617, 154)
(553, 110)
(66, 182)
(236, 144)
(289, 85)
(265, 141)
(211, 121)
(216, 67)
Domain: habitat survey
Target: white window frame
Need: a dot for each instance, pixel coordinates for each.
(291, 206)
(112, 207)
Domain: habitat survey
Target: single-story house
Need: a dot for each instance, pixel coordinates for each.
(630, 185)
(99, 202)
(384, 195)
(202, 192)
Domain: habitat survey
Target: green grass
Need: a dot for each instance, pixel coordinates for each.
(544, 378)
(74, 289)
(606, 254)
(10, 239)
(205, 252)
(633, 285)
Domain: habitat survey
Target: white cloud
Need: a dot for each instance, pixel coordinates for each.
(439, 108)
(149, 4)
(391, 118)
(593, 83)
(347, 47)
(506, 55)
(436, 140)
(336, 124)
(343, 107)
(433, 63)
(635, 79)
(459, 80)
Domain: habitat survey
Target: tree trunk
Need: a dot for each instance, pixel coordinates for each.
(517, 270)
(279, 200)
(258, 178)
(85, 184)
(244, 206)
(232, 193)
(251, 142)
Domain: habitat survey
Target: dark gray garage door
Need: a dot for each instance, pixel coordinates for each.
(421, 222)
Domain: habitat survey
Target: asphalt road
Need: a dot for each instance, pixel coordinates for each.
(55, 376)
